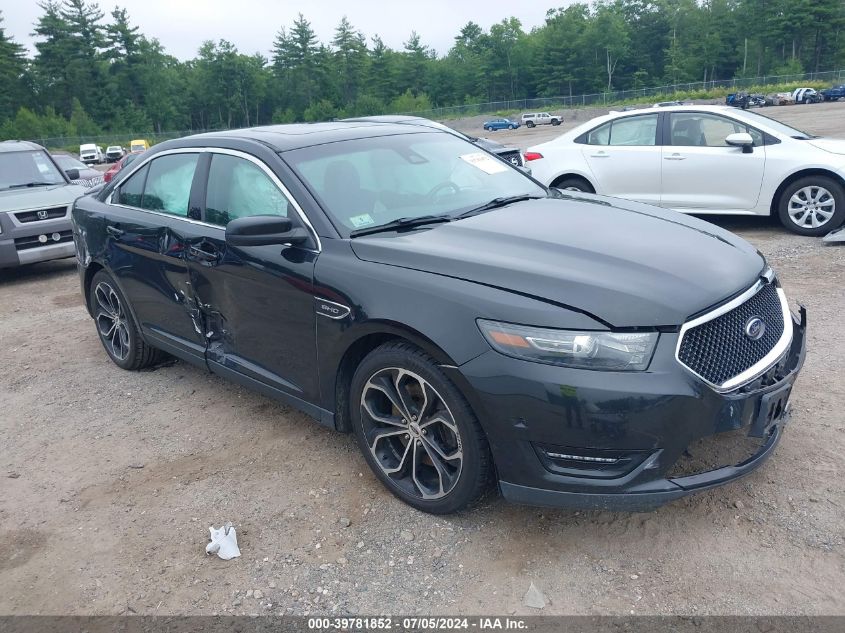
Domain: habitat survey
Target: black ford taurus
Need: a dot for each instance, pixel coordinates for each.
(463, 322)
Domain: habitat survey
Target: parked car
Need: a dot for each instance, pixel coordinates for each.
(541, 118)
(833, 94)
(138, 145)
(82, 173)
(462, 321)
(121, 164)
(510, 154)
(703, 159)
(500, 124)
(114, 153)
(35, 200)
(745, 100)
(91, 154)
(806, 95)
(782, 98)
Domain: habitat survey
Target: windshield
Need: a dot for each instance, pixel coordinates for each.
(136, 147)
(28, 169)
(68, 162)
(776, 126)
(365, 183)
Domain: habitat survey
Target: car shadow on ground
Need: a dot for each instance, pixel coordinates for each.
(36, 272)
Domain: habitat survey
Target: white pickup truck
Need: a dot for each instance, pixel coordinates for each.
(541, 118)
(90, 153)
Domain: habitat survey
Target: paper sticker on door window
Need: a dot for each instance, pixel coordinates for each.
(484, 162)
(361, 220)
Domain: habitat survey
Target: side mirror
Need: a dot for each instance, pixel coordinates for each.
(73, 174)
(264, 230)
(741, 139)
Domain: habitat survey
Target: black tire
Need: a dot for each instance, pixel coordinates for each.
(401, 366)
(555, 122)
(511, 127)
(789, 205)
(574, 184)
(529, 124)
(124, 346)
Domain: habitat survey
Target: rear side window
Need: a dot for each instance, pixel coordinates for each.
(238, 188)
(636, 130)
(168, 184)
(132, 191)
(599, 135)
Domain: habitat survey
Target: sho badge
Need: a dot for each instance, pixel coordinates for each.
(331, 309)
(755, 327)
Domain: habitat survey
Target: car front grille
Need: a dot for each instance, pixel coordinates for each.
(33, 241)
(513, 157)
(36, 215)
(731, 448)
(719, 349)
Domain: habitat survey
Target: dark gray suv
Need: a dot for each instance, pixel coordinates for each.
(35, 201)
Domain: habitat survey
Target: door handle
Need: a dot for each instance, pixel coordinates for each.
(207, 254)
(114, 231)
(675, 157)
(600, 155)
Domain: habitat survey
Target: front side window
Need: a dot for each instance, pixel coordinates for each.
(168, 184)
(28, 169)
(697, 129)
(238, 188)
(368, 182)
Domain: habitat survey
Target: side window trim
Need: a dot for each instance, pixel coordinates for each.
(111, 200)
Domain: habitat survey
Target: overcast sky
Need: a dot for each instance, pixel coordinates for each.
(182, 25)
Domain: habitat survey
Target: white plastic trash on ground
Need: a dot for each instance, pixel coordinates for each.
(224, 542)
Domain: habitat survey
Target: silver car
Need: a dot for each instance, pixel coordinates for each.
(35, 201)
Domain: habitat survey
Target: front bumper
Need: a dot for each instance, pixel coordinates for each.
(20, 244)
(646, 421)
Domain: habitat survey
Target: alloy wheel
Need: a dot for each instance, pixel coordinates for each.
(811, 207)
(411, 433)
(111, 321)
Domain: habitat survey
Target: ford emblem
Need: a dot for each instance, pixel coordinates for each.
(755, 327)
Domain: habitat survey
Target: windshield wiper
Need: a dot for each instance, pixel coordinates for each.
(401, 223)
(496, 203)
(31, 184)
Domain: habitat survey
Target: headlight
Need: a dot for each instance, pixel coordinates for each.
(614, 351)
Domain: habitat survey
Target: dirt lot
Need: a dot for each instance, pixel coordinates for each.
(110, 480)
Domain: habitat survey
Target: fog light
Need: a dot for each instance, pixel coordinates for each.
(42, 239)
(583, 458)
(56, 237)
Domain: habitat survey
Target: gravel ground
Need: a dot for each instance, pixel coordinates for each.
(110, 480)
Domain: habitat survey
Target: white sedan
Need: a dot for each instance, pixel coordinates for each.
(702, 159)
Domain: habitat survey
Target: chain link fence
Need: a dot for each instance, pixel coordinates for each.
(618, 96)
(72, 144)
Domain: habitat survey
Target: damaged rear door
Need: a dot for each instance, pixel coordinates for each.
(149, 224)
(257, 302)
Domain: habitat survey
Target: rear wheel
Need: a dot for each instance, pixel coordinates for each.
(115, 326)
(530, 124)
(813, 205)
(573, 183)
(417, 432)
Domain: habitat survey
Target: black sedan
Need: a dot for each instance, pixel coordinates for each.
(464, 322)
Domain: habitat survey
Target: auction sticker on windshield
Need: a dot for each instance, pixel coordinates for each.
(484, 162)
(361, 220)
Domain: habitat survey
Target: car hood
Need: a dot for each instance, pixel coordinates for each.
(35, 197)
(832, 145)
(624, 263)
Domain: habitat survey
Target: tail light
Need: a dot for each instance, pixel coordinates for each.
(532, 156)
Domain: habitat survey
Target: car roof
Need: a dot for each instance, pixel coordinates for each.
(298, 135)
(18, 146)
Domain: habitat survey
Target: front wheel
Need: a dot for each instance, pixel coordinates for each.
(555, 122)
(511, 127)
(417, 432)
(814, 205)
